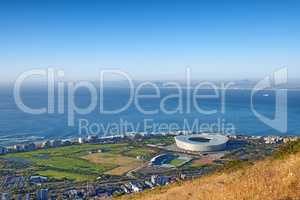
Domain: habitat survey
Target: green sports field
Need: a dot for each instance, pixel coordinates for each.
(68, 162)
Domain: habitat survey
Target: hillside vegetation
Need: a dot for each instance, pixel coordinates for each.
(275, 178)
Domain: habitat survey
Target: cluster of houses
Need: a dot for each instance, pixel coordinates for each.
(92, 139)
(41, 194)
(18, 182)
(108, 191)
(267, 139)
(34, 146)
(98, 192)
(279, 139)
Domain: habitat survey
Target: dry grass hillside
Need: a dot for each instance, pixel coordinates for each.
(276, 178)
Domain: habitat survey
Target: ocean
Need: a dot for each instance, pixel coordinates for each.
(17, 126)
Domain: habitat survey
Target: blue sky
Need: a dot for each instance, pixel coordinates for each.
(151, 39)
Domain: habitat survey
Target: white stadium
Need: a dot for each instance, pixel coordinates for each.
(201, 142)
